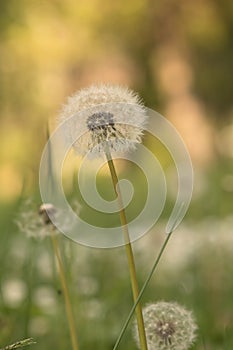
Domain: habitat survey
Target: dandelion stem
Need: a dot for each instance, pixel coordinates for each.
(69, 312)
(129, 252)
(142, 291)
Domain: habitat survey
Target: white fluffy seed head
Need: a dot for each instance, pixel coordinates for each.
(36, 222)
(103, 116)
(42, 222)
(168, 326)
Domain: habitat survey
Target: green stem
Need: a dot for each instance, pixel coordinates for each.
(129, 253)
(69, 312)
(142, 291)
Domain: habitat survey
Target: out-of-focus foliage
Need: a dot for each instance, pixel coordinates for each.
(50, 49)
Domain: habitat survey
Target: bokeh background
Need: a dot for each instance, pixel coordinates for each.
(178, 56)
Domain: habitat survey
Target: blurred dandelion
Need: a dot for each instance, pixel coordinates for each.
(169, 326)
(14, 292)
(40, 224)
(30, 222)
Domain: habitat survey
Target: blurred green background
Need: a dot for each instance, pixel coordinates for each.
(178, 56)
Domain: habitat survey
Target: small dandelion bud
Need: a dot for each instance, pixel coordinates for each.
(47, 212)
(103, 116)
(168, 326)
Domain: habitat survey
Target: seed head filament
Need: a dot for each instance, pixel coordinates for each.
(165, 330)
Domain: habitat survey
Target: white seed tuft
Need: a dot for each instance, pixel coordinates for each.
(103, 116)
(168, 326)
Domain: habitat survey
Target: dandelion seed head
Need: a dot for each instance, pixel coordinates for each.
(35, 222)
(168, 326)
(105, 116)
(42, 222)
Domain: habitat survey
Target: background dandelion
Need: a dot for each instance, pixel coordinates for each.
(33, 226)
(168, 326)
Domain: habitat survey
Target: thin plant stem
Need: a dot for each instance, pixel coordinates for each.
(129, 253)
(69, 311)
(61, 270)
(142, 291)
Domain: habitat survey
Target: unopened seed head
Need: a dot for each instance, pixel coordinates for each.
(103, 116)
(47, 212)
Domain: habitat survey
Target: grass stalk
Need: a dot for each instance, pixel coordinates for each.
(129, 253)
(142, 291)
(69, 312)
